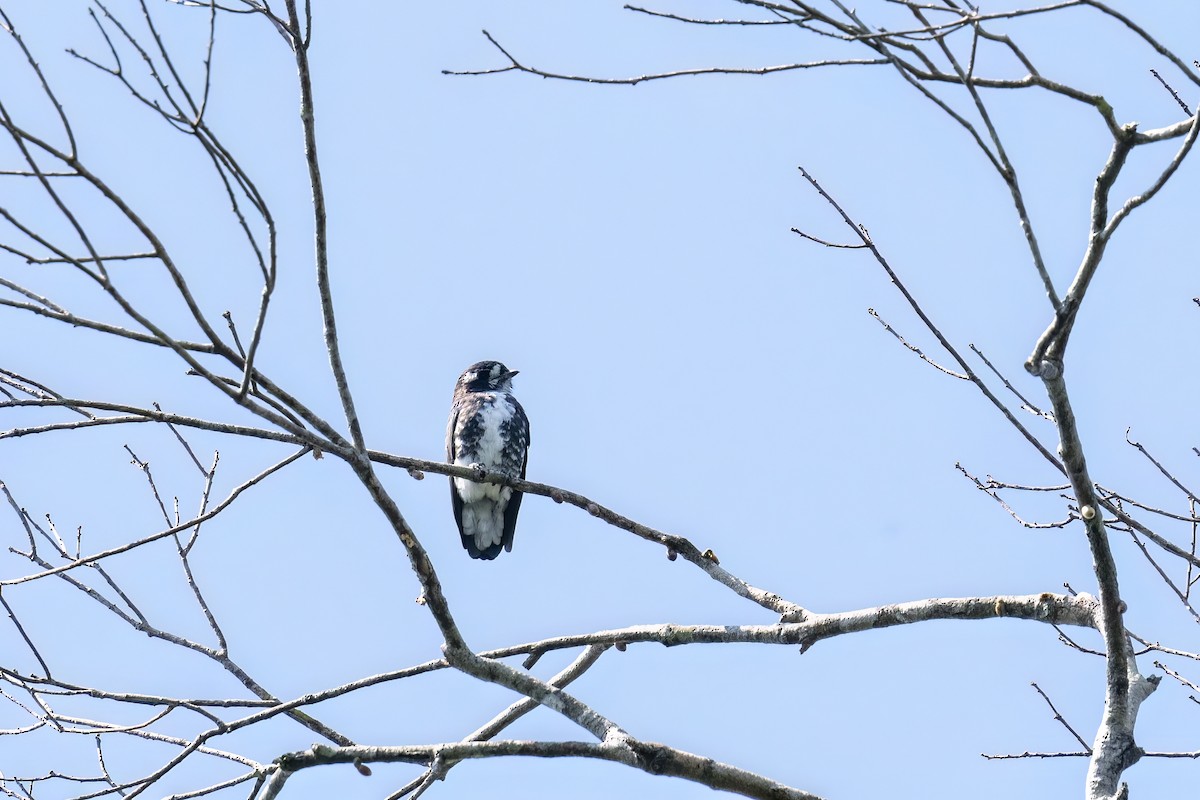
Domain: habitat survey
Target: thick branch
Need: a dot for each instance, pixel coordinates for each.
(651, 757)
(1114, 750)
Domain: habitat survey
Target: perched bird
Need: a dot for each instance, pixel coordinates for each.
(487, 428)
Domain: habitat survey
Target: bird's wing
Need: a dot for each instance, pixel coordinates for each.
(514, 501)
(455, 501)
(450, 425)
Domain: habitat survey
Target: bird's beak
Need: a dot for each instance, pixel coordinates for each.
(512, 372)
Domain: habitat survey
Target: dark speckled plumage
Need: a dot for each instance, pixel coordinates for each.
(488, 428)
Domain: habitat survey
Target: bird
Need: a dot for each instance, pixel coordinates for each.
(487, 428)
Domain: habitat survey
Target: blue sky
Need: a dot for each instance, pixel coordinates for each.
(685, 359)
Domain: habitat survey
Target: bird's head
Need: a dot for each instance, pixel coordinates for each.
(486, 376)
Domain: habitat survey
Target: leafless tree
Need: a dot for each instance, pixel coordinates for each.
(106, 251)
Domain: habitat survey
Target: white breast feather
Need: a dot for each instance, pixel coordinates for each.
(490, 454)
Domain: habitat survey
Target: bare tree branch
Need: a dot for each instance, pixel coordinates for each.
(953, 55)
(650, 757)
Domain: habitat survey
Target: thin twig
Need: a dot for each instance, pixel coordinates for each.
(1059, 718)
(914, 348)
